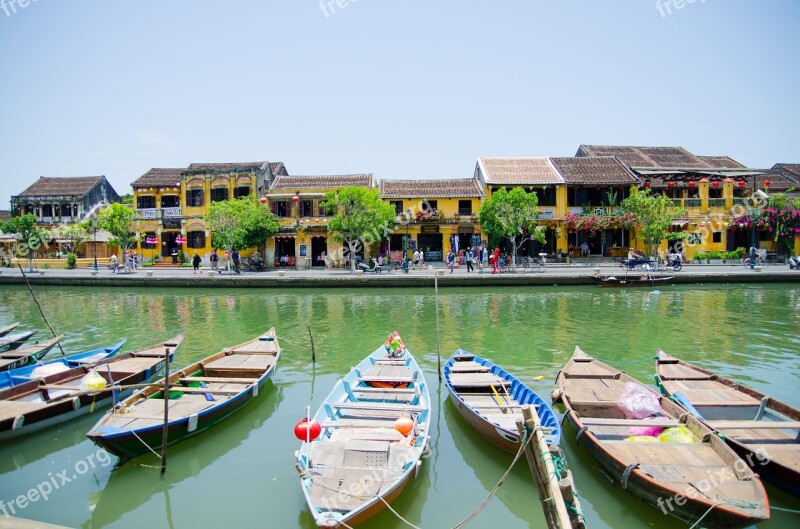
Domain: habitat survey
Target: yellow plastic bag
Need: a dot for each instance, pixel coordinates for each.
(92, 381)
(645, 438)
(677, 434)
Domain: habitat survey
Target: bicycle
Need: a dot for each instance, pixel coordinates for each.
(760, 261)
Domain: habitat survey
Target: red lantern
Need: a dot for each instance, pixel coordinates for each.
(296, 199)
(307, 430)
(742, 183)
(715, 184)
(263, 200)
(646, 184)
(670, 184)
(767, 183)
(692, 184)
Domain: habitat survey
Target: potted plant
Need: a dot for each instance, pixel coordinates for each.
(701, 257)
(714, 257)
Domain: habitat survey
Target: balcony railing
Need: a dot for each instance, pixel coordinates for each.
(716, 202)
(149, 213)
(171, 212)
(153, 213)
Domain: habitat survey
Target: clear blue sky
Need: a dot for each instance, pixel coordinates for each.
(402, 89)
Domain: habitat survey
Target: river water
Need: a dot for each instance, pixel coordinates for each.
(242, 473)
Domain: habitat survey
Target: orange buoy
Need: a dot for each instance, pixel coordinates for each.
(404, 425)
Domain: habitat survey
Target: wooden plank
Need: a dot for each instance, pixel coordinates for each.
(388, 380)
(183, 389)
(366, 389)
(376, 406)
(219, 380)
(358, 423)
(742, 425)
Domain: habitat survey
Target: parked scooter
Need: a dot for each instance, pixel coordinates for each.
(794, 262)
(373, 266)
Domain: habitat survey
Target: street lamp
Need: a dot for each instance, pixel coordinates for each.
(94, 235)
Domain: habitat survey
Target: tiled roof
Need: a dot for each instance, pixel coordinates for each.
(596, 170)
(793, 168)
(324, 181)
(645, 156)
(159, 177)
(780, 180)
(721, 162)
(444, 188)
(518, 171)
(278, 169)
(5, 215)
(63, 186)
(242, 166)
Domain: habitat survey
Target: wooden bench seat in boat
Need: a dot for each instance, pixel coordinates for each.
(370, 389)
(676, 371)
(219, 380)
(384, 396)
(388, 380)
(665, 422)
(748, 425)
(358, 423)
(385, 433)
(369, 406)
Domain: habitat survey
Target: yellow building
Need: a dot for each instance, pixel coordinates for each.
(303, 240)
(171, 203)
(431, 214)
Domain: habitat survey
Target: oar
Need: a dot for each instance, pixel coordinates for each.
(500, 400)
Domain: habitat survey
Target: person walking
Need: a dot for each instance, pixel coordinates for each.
(196, 263)
(468, 257)
(235, 260)
(421, 259)
(451, 260)
(214, 259)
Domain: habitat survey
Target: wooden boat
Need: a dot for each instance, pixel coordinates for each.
(763, 431)
(8, 328)
(374, 430)
(491, 400)
(632, 280)
(37, 404)
(12, 341)
(691, 480)
(30, 372)
(27, 355)
(200, 396)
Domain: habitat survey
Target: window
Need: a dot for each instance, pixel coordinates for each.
(398, 206)
(146, 202)
(196, 239)
(716, 236)
(465, 207)
(306, 208)
(219, 194)
(150, 235)
(430, 206)
(194, 198)
(241, 191)
(280, 208)
(170, 201)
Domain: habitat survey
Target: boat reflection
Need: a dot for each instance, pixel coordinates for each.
(139, 482)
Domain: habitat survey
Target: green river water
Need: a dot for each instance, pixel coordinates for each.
(242, 475)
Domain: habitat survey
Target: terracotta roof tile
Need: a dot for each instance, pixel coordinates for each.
(441, 188)
(518, 171)
(722, 162)
(594, 170)
(64, 186)
(323, 181)
(278, 169)
(646, 156)
(5, 215)
(793, 168)
(159, 177)
(239, 166)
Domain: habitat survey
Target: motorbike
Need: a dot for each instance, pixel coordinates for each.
(675, 261)
(254, 264)
(794, 262)
(372, 267)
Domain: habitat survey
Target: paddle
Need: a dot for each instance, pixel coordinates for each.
(500, 400)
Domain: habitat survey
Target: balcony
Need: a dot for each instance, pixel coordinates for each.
(546, 213)
(171, 212)
(149, 213)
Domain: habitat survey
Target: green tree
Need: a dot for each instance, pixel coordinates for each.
(75, 234)
(651, 218)
(781, 217)
(241, 223)
(117, 220)
(511, 215)
(31, 237)
(360, 217)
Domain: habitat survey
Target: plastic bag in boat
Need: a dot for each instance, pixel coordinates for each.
(638, 402)
(47, 370)
(92, 381)
(644, 438)
(677, 434)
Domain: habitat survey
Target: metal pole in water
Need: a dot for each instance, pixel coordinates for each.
(438, 338)
(166, 417)
(40, 308)
(313, 353)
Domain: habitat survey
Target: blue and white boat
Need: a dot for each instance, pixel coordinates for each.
(26, 373)
(366, 441)
(490, 400)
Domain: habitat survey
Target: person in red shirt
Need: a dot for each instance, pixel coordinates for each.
(495, 260)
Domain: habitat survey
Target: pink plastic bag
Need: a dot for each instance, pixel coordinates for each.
(638, 402)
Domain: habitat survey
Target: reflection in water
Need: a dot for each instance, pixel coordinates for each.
(748, 333)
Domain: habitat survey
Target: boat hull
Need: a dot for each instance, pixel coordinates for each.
(631, 282)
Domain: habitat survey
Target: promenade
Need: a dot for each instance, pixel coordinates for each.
(553, 275)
